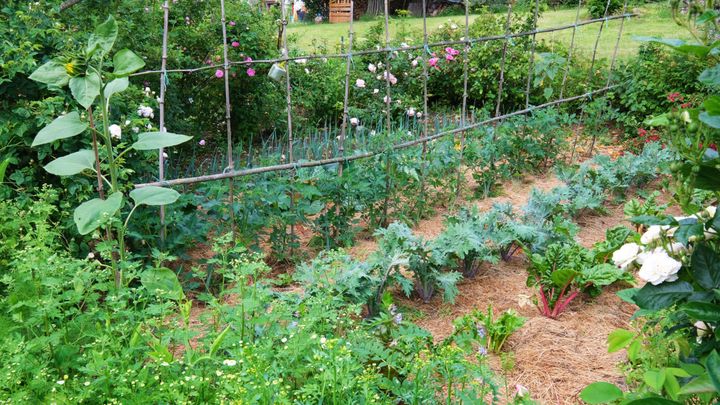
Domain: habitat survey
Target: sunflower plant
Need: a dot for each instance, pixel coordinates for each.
(92, 84)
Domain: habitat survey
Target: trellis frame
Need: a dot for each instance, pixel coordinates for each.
(230, 172)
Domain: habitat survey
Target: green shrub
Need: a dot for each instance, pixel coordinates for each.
(648, 80)
(597, 8)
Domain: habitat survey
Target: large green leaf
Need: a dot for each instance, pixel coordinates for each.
(655, 379)
(652, 401)
(601, 393)
(89, 215)
(708, 178)
(604, 274)
(157, 140)
(712, 104)
(687, 230)
(710, 76)
(698, 385)
(153, 195)
(73, 163)
(162, 282)
(713, 369)
(710, 120)
(679, 45)
(652, 220)
(103, 38)
(702, 311)
(657, 121)
(661, 296)
(52, 73)
(705, 267)
(62, 127)
(563, 277)
(627, 295)
(125, 62)
(116, 86)
(85, 89)
(618, 339)
(671, 385)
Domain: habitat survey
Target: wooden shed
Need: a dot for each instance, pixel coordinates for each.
(340, 11)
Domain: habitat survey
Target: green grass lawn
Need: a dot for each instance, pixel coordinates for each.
(652, 20)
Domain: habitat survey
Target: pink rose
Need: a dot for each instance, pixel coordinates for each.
(251, 72)
(433, 62)
(232, 23)
(235, 44)
(219, 74)
(451, 51)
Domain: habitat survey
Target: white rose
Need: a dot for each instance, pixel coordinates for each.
(686, 116)
(386, 99)
(372, 68)
(710, 210)
(627, 254)
(658, 267)
(376, 91)
(115, 131)
(702, 328)
(653, 233)
(414, 62)
(419, 114)
(677, 247)
(411, 112)
(360, 83)
(354, 121)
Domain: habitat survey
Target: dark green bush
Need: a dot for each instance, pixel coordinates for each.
(647, 81)
(596, 8)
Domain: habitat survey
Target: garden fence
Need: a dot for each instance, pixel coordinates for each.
(231, 171)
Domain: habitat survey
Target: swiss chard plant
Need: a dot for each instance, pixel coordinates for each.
(565, 270)
(484, 327)
(92, 83)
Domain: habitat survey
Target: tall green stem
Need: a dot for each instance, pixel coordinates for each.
(113, 184)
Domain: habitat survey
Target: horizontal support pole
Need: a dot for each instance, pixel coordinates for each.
(323, 162)
(391, 49)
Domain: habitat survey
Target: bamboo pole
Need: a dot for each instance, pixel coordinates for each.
(363, 155)
(228, 115)
(161, 112)
(391, 49)
(463, 115)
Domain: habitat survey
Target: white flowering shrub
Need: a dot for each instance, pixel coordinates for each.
(675, 356)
